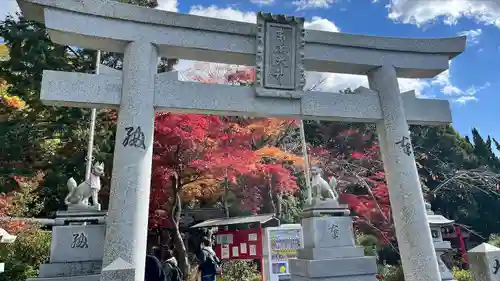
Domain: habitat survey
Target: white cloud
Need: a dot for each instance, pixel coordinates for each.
(224, 13)
(262, 2)
(321, 24)
(472, 35)
(213, 11)
(333, 82)
(228, 13)
(465, 99)
(8, 7)
(168, 5)
(420, 12)
(443, 81)
(473, 90)
(312, 4)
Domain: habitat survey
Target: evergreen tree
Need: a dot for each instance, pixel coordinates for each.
(460, 175)
(483, 151)
(497, 145)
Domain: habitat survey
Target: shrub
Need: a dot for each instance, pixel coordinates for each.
(23, 258)
(494, 240)
(392, 273)
(240, 271)
(461, 274)
(369, 242)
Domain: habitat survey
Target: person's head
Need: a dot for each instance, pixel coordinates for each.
(155, 251)
(169, 254)
(205, 242)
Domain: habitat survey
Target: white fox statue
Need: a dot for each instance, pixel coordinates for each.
(78, 195)
(322, 189)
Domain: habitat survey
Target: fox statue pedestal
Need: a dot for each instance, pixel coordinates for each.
(330, 252)
(77, 247)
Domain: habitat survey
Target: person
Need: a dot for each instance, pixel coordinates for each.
(171, 268)
(154, 269)
(209, 262)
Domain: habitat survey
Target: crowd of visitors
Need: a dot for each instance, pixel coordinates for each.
(164, 267)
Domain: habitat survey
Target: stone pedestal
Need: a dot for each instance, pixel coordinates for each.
(485, 262)
(330, 252)
(77, 247)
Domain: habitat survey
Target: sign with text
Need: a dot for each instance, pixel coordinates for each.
(243, 244)
(280, 45)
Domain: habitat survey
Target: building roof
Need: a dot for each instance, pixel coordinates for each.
(484, 248)
(236, 220)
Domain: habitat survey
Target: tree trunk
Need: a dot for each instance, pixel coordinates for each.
(226, 193)
(271, 197)
(180, 248)
(279, 205)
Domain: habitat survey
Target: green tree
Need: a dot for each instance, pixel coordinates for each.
(51, 139)
(461, 176)
(41, 140)
(484, 152)
(494, 240)
(39, 137)
(32, 245)
(23, 258)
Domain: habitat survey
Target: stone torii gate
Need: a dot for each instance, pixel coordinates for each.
(282, 50)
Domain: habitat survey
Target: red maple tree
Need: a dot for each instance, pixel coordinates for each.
(353, 157)
(203, 151)
(199, 158)
(20, 202)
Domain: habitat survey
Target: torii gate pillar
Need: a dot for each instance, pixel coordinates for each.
(127, 220)
(405, 192)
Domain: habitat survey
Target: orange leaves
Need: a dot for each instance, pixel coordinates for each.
(270, 129)
(6, 99)
(13, 102)
(277, 155)
(204, 189)
(10, 101)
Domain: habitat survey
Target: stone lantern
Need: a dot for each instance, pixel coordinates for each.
(5, 238)
(436, 222)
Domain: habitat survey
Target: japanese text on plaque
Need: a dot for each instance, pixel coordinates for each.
(280, 72)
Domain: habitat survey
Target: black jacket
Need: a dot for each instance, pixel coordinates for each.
(154, 269)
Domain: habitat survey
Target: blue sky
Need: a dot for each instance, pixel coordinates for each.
(471, 83)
